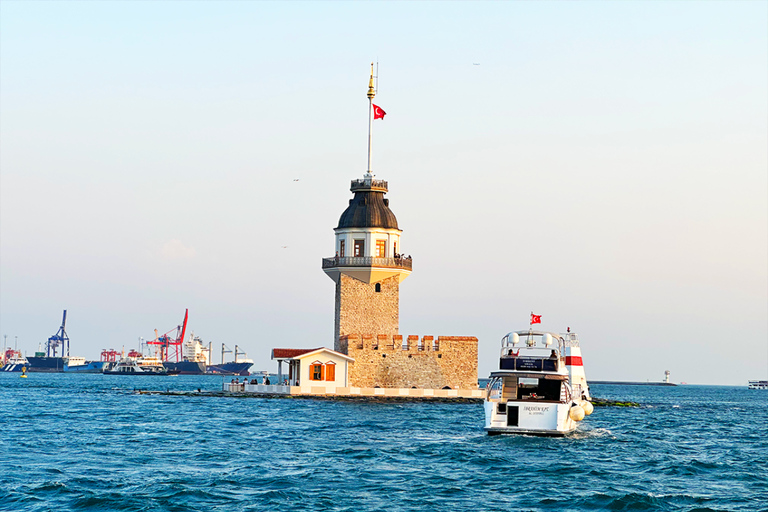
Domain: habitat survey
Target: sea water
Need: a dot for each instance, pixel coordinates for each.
(90, 442)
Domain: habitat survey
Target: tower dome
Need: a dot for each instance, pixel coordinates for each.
(369, 208)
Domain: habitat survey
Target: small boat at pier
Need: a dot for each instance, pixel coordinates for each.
(540, 387)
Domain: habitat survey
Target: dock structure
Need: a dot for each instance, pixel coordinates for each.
(351, 392)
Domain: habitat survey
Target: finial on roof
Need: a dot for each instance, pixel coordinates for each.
(371, 90)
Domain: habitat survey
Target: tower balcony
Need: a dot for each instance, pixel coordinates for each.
(369, 185)
(368, 269)
(368, 261)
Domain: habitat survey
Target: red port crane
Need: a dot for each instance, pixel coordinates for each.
(109, 355)
(170, 347)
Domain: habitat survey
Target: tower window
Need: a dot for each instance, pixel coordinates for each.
(378, 287)
(381, 248)
(341, 248)
(359, 248)
(394, 249)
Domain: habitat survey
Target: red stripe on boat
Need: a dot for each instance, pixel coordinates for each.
(573, 361)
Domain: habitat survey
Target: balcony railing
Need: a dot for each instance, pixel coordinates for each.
(369, 184)
(368, 261)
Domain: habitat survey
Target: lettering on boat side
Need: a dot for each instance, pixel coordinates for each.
(536, 409)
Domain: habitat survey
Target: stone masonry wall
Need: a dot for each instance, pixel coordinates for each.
(361, 309)
(390, 361)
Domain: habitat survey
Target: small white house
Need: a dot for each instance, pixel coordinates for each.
(319, 370)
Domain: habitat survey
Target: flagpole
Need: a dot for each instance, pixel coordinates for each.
(371, 94)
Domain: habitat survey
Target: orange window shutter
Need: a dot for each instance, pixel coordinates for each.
(330, 373)
(322, 372)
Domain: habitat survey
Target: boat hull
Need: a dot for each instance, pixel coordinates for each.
(45, 364)
(185, 367)
(230, 368)
(14, 367)
(88, 367)
(137, 374)
(528, 418)
(520, 431)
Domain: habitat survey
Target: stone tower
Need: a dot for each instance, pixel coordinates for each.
(368, 266)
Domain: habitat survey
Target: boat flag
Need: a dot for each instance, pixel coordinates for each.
(535, 319)
(378, 112)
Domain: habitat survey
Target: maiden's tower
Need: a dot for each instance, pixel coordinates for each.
(368, 266)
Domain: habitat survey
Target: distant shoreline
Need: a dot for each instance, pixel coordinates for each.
(623, 383)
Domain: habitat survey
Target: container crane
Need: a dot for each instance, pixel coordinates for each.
(60, 338)
(168, 345)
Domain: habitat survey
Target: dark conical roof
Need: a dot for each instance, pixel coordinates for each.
(369, 208)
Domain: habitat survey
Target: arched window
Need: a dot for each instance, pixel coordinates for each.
(378, 287)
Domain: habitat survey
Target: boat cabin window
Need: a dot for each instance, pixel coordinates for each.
(539, 389)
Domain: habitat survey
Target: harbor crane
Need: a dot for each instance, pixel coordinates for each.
(166, 344)
(58, 339)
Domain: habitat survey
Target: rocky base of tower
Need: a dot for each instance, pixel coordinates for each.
(394, 361)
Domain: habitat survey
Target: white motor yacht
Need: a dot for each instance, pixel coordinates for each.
(540, 387)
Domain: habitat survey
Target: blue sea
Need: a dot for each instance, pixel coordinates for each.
(89, 442)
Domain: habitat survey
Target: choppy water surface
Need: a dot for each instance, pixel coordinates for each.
(87, 442)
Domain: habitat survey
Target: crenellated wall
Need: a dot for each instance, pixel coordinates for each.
(394, 361)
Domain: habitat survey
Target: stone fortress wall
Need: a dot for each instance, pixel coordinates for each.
(395, 361)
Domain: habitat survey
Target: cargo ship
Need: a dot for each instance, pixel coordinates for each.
(240, 366)
(43, 363)
(50, 361)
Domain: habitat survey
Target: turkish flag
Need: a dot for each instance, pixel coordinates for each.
(535, 319)
(378, 112)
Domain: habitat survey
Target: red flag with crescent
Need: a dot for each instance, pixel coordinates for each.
(535, 319)
(378, 112)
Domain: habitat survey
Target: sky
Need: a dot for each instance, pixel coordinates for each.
(602, 164)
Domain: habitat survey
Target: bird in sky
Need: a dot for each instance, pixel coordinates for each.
(475, 63)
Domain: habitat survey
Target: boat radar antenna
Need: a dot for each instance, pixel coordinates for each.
(371, 95)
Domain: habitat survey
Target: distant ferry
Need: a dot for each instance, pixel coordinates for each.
(758, 384)
(80, 365)
(14, 361)
(540, 387)
(141, 366)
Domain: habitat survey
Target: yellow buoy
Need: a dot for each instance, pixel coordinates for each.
(588, 407)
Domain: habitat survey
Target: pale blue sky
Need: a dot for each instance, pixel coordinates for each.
(606, 166)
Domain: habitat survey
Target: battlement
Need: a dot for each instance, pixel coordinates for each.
(397, 361)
